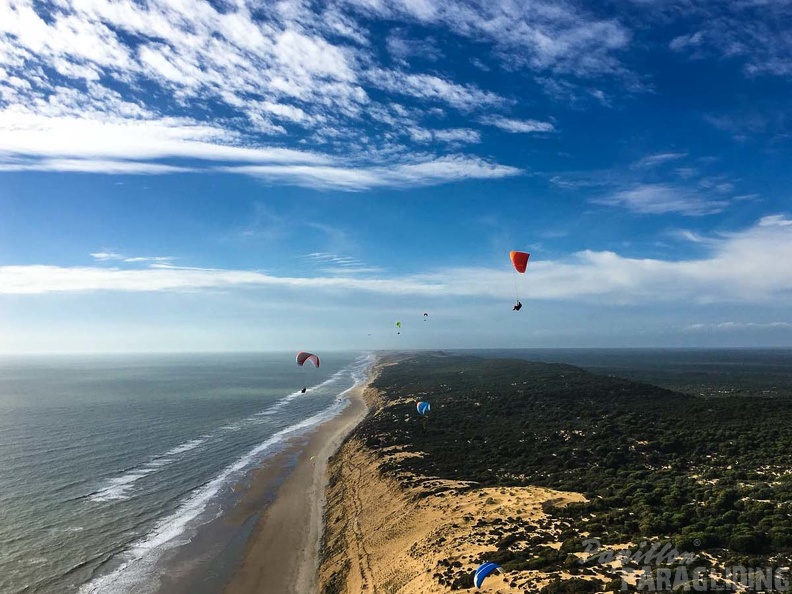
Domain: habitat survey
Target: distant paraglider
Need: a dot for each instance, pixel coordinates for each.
(302, 359)
(423, 408)
(398, 325)
(426, 315)
(520, 262)
(484, 570)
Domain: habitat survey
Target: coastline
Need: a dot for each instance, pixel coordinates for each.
(391, 530)
(282, 553)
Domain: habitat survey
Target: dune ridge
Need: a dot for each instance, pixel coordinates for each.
(421, 535)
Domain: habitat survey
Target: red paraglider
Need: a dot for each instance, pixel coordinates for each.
(520, 262)
(302, 357)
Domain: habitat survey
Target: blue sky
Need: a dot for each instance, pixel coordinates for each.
(231, 175)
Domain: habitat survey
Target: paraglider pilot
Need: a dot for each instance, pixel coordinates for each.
(517, 307)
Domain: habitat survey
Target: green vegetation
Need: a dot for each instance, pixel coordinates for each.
(706, 473)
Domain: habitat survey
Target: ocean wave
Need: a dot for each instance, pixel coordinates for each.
(287, 399)
(119, 487)
(166, 532)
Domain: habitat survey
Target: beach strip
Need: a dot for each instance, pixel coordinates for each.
(282, 553)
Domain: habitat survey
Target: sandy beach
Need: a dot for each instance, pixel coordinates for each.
(282, 553)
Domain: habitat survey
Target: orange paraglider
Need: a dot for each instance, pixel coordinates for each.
(520, 262)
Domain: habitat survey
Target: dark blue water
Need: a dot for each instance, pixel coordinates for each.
(107, 462)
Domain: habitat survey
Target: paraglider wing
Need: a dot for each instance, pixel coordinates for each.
(519, 260)
(423, 408)
(302, 357)
(398, 324)
(483, 571)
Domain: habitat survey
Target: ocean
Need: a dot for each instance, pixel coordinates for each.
(109, 462)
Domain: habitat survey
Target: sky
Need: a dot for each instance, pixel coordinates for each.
(229, 175)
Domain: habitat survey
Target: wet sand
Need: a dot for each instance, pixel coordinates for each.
(208, 561)
(282, 554)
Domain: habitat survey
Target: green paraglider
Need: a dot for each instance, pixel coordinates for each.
(398, 325)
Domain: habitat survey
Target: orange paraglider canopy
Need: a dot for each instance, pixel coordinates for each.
(520, 260)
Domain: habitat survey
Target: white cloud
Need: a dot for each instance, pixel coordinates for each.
(111, 256)
(48, 279)
(336, 265)
(94, 166)
(518, 126)
(738, 326)
(541, 35)
(457, 135)
(756, 34)
(691, 236)
(657, 159)
(750, 266)
(775, 221)
(106, 256)
(32, 135)
(426, 86)
(432, 172)
(661, 199)
(275, 72)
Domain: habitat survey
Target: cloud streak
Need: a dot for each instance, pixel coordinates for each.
(758, 275)
(663, 199)
(518, 126)
(146, 84)
(426, 173)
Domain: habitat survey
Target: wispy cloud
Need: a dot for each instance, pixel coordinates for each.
(518, 126)
(692, 236)
(437, 171)
(754, 33)
(737, 326)
(143, 83)
(26, 134)
(541, 35)
(94, 166)
(110, 256)
(657, 159)
(465, 97)
(334, 264)
(661, 199)
(759, 274)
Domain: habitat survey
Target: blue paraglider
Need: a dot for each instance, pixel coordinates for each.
(423, 408)
(483, 571)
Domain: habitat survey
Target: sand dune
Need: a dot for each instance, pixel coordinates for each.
(382, 537)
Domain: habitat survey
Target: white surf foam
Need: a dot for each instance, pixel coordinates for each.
(140, 558)
(120, 487)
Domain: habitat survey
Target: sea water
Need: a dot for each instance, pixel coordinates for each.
(107, 462)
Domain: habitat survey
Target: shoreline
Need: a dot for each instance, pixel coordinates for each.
(282, 552)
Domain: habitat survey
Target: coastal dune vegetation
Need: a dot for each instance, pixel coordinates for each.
(520, 462)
